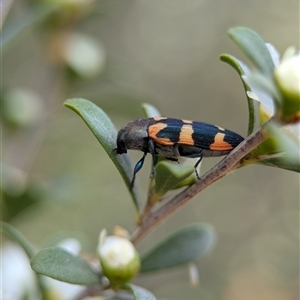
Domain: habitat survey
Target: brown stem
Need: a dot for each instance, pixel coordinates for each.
(230, 162)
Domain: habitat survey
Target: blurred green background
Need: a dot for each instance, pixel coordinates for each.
(164, 53)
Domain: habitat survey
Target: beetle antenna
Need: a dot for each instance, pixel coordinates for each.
(113, 151)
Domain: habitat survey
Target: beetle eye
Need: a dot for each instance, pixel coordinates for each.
(121, 147)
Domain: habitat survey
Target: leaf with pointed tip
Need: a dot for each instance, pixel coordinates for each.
(185, 245)
(253, 105)
(106, 133)
(254, 48)
(150, 111)
(139, 293)
(57, 263)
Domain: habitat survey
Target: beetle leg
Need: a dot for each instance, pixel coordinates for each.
(196, 165)
(151, 146)
(137, 167)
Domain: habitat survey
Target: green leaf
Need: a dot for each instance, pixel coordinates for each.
(282, 163)
(18, 237)
(254, 48)
(289, 147)
(260, 82)
(106, 133)
(186, 245)
(169, 176)
(57, 263)
(150, 111)
(253, 105)
(139, 293)
(238, 65)
(281, 149)
(24, 23)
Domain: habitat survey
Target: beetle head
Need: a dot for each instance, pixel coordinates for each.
(133, 136)
(121, 146)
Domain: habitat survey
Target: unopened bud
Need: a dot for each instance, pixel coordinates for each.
(119, 259)
(287, 78)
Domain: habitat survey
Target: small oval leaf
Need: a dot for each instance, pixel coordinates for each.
(169, 176)
(288, 142)
(139, 293)
(106, 133)
(186, 245)
(281, 150)
(254, 47)
(57, 263)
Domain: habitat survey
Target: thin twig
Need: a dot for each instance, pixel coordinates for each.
(230, 162)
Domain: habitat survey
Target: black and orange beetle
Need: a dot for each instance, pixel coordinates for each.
(172, 138)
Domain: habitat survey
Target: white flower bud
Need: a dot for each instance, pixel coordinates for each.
(118, 257)
(287, 77)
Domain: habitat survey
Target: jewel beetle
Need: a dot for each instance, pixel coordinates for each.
(172, 138)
